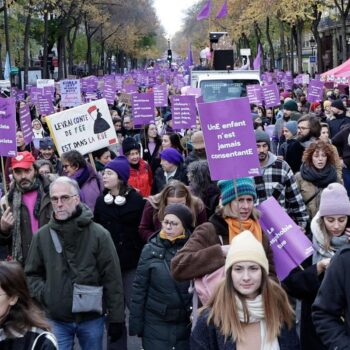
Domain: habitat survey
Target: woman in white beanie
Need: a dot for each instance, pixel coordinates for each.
(249, 310)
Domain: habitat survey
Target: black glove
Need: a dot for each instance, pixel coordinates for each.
(115, 331)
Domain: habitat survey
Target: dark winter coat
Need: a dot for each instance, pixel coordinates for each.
(340, 140)
(88, 258)
(45, 341)
(332, 304)
(123, 222)
(160, 307)
(159, 181)
(294, 155)
(152, 159)
(202, 254)
(208, 337)
(335, 125)
(304, 285)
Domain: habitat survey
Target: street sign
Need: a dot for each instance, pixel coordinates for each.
(14, 70)
(312, 59)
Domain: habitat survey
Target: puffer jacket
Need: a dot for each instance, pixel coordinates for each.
(160, 307)
(88, 258)
(141, 179)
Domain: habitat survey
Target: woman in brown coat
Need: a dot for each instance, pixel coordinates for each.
(204, 251)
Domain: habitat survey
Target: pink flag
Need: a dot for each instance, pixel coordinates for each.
(223, 12)
(257, 61)
(205, 11)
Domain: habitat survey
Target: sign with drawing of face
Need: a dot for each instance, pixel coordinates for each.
(85, 128)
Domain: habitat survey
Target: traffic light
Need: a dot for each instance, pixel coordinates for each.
(170, 56)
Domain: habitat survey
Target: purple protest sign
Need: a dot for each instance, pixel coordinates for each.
(160, 95)
(183, 109)
(130, 88)
(315, 91)
(45, 105)
(289, 244)
(70, 92)
(229, 138)
(109, 91)
(254, 94)
(271, 95)
(49, 91)
(118, 82)
(8, 147)
(142, 108)
(35, 93)
(25, 121)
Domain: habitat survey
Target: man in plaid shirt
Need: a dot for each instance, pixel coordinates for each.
(277, 180)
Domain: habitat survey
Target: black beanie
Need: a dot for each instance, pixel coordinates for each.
(129, 144)
(182, 212)
(339, 104)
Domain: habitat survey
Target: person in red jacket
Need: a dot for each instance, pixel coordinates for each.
(141, 177)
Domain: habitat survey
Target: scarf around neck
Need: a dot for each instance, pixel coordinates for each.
(256, 314)
(251, 225)
(320, 178)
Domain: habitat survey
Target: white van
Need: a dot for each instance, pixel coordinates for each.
(223, 85)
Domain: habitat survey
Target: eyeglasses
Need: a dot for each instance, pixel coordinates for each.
(171, 223)
(64, 199)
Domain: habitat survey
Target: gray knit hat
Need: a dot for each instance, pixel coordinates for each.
(262, 136)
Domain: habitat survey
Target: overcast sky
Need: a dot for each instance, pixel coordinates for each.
(171, 13)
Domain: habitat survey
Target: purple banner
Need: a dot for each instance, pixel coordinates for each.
(315, 91)
(229, 138)
(271, 95)
(142, 108)
(289, 243)
(160, 95)
(109, 91)
(183, 109)
(25, 121)
(8, 147)
(254, 94)
(45, 105)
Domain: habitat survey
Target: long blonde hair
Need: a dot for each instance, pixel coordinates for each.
(223, 309)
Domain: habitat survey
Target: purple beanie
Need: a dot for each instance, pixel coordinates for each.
(172, 156)
(334, 201)
(121, 166)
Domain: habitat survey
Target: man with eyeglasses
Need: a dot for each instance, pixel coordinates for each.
(71, 262)
(26, 208)
(309, 130)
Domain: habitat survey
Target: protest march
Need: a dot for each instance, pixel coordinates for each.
(189, 202)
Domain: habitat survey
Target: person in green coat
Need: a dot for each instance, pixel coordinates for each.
(160, 306)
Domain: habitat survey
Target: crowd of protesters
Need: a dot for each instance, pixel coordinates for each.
(139, 225)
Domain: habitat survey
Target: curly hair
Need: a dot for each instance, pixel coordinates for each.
(318, 146)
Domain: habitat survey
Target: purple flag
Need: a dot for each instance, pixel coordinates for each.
(271, 95)
(254, 94)
(142, 108)
(8, 147)
(229, 138)
(257, 60)
(25, 121)
(189, 59)
(315, 91)
(289, 244)
(183, 110)
(205, 11)
(223, 12)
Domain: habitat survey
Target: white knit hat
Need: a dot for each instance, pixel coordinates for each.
(334, 201)
(245, 247)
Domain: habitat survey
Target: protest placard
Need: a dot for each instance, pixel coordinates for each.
(25, 121)
(85, 128)
(271, 95)
(160, 95)
(183, 109)
(109, 91)
(125, 98)
(70, 93)
(40, 83)
(35, 93)
(315, 91)
(254, 94)
(289, 244)
(229, 138)
(45, 105)
(143, 108)
(8, 146)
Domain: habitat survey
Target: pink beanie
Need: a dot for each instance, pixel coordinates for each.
(334, 201)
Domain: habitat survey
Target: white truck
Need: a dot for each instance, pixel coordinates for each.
(222, 85)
